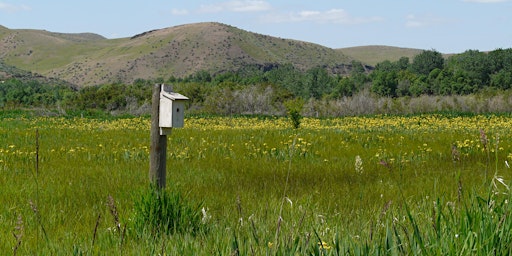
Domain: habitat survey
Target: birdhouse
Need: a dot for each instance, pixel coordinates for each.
(172, 110)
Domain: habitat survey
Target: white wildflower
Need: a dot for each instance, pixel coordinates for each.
(497, 180)
(289, 201)
(359, 164)
(206, 216)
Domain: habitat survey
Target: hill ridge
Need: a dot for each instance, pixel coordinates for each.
(373, 54)
(87, 59)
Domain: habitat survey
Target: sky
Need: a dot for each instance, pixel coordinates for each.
(447, 26)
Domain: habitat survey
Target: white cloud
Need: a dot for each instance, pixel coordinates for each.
(414, 21)
(179, 12)
(13, 8)
(485, 1)
(331, 16)
(236, 6)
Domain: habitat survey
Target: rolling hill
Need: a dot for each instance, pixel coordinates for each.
(88, 59)
(8, 71)
(374, 54)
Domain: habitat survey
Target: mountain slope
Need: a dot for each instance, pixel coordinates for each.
(374, 54)
(88, 59)
(8, 72)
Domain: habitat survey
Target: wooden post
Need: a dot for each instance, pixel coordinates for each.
(158, 146)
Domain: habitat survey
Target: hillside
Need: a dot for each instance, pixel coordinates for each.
(374, 54)
(89, 59)
(7, 72)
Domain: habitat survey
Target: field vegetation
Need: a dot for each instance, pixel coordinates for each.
(367, 185)
(472, 81)
(408, 157)
(279, 156)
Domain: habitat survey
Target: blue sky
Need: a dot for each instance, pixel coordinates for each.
(448, 26)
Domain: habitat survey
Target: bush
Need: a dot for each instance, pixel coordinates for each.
(293, 110)
(162, 211)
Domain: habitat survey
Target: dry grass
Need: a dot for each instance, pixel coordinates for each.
(84, 59)
(374, 54)
(364, 103)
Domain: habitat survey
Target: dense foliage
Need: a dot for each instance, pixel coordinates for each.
(16, 93)
(263, 89)
(429, 73)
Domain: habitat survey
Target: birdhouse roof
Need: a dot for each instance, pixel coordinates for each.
(174, 96)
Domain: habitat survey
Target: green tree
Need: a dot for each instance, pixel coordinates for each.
(386, 66)
(403, 63)
(318, 83)
(427, 61)
(471, 70)
(502, 79)
(405, 80)
(500, 65)
(345, 87)
(384, 83)
(358, 75)
(201, 76)
(420, 86)
(500, 59)
(439, 80)
(287, 77)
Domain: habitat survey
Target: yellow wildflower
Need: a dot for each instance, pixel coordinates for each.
(324, 245)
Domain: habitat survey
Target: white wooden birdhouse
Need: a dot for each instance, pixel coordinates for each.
(172, 110)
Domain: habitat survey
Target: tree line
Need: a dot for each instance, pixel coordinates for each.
(264, 89)
(431, 74)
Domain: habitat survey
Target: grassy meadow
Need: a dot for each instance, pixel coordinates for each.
(397, 185)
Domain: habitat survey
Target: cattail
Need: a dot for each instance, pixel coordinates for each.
(455, 153)
(483, 139)
(113, 210)
(33, 207)
(385, 164)
(18, 234)
(385, 209)
(96, 229)
(239, 207)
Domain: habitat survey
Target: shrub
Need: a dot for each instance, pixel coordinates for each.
(163, 211)
(293, 110)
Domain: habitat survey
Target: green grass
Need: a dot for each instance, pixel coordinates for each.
(273, 190)
(374, 54)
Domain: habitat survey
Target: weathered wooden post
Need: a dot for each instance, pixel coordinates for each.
(167, 111)
(158, 147)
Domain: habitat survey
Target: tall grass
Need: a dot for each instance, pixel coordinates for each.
(164, 211)
(265, 188)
